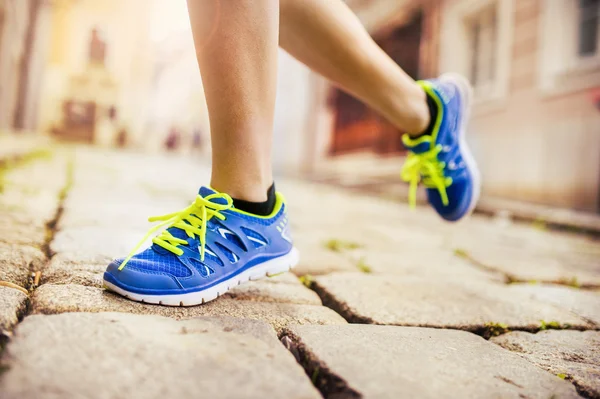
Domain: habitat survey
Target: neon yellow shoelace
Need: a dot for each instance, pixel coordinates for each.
(192, 220)
(427, 169)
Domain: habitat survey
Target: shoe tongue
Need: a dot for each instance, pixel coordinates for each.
(179, 233)
(418, 145)
(206, 191)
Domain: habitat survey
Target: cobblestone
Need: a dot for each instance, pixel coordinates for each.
(573, 355)
(395, 362)
(13, 304)
(52, 299)
(397, 300)
(584, 303)
(114, 355)
(18, 261)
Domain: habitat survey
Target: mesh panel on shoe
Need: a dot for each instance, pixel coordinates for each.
(261, 221)
(151, 262)
(254, 234)
(235, 240)
(227, 253)
(202, 268)
(212, 257)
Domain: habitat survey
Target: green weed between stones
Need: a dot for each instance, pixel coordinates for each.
(315, 375)
(553, 325)
(307, 280)
(363, 266)
(495, 329)
(571, 282)
(461, 253)
(336, 245)
(562, 376)
(539, 224)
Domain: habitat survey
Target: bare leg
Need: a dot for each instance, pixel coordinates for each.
(329, 38)
(236, 44)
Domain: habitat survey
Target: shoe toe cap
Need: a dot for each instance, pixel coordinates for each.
(131, 278)
(459, 200)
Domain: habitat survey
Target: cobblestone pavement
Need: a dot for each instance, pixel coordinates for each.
(386, 302)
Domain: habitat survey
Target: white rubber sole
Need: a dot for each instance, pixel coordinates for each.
(267, 269)
(466, 93)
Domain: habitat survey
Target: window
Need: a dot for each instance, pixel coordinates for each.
(589, 12)
(476, 41)
(570, 45)
(482, 31)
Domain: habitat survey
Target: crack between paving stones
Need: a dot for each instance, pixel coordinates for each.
(310, 363)
(583, 391)
(53, 223)
(512, 279)
(329, 384)
(35, 275)
(487, 331)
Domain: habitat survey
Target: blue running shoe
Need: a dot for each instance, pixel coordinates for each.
(442, 161)
(207, 248)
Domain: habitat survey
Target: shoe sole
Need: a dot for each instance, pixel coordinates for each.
(466, 95)
(266, 269)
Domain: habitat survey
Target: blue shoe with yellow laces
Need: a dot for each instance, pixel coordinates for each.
(441, 161)
(206, 249)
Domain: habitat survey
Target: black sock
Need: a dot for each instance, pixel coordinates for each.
(433, 113)
(258, 208)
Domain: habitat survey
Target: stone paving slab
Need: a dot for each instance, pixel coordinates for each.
(397, 300)
(352, 361)
(427, 264)
(17, 227)
(18, 261)
(82, 208)
(34, 187)
(13, 304)
(584, 303)
(53, 299)
(574, 355)
(63, 269)
(95, 241)
(265, 291)
(315, 259)
(115, 355)
(538, 256)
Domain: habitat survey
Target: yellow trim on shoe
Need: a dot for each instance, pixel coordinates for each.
(279, 202)
(425, 167)
(428, 87)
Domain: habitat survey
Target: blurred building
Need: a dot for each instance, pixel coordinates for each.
(24, 25)
(98, 73)
(535, 67)
(177, 102)
(116, 72)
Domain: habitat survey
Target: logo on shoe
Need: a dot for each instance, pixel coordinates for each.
(283, 228)
(446, 92)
